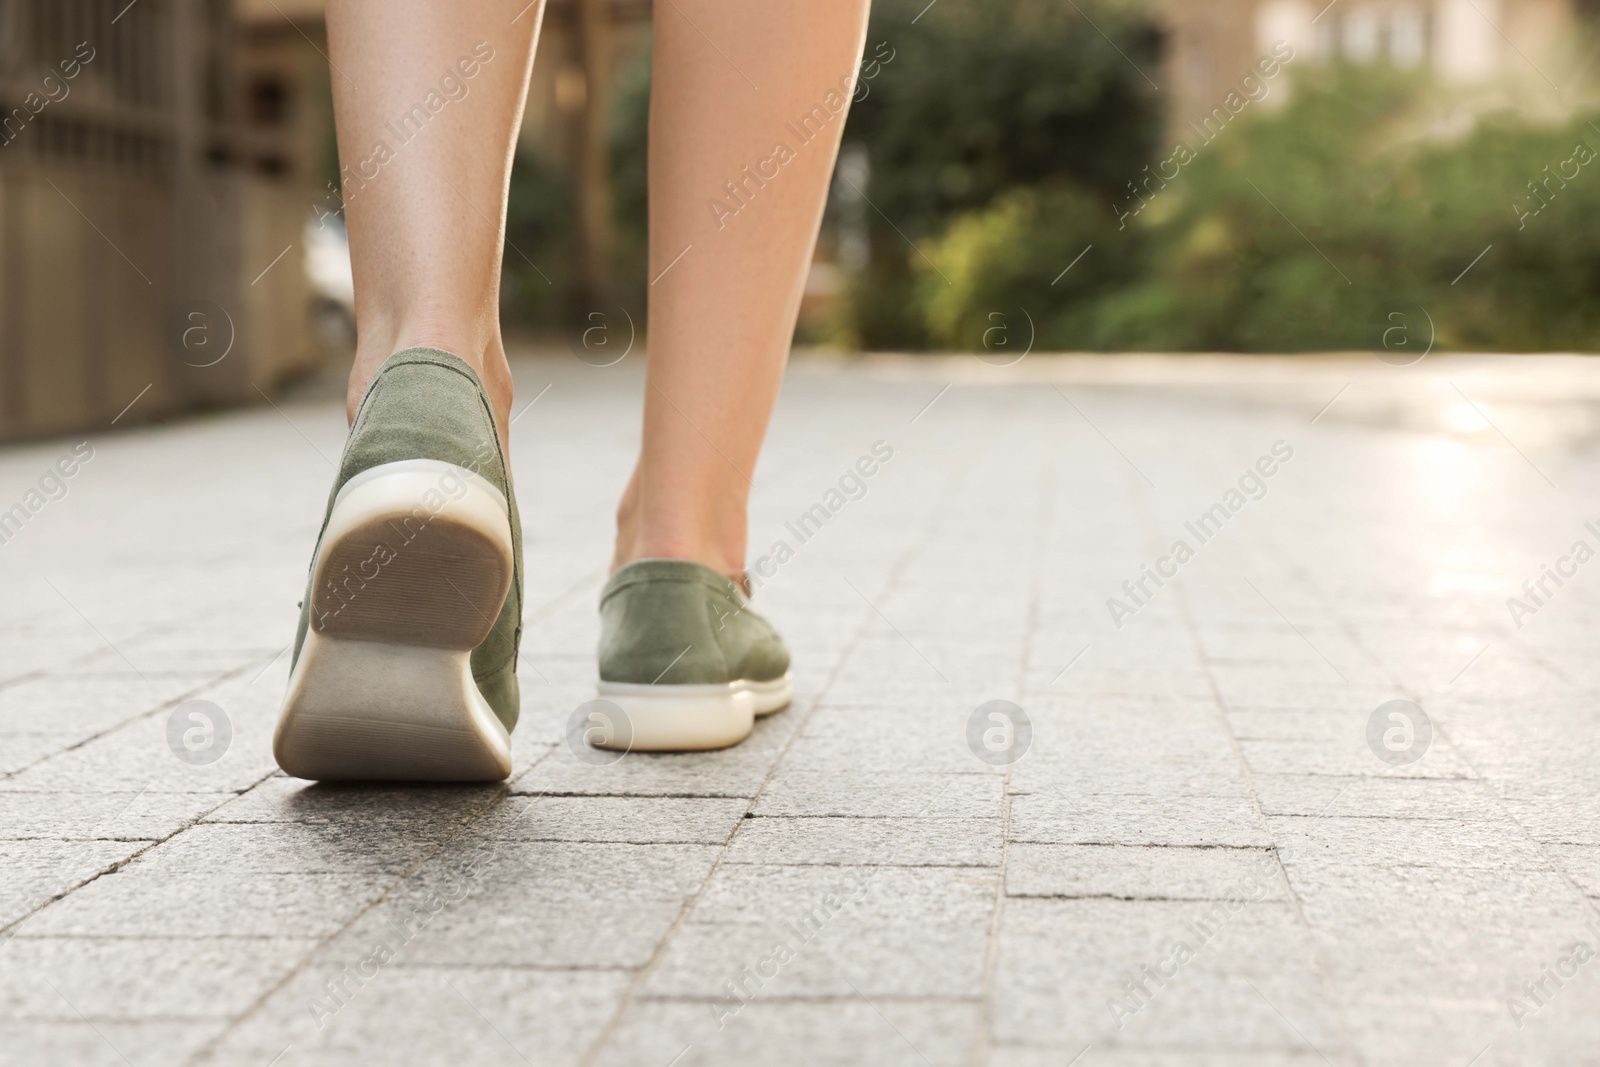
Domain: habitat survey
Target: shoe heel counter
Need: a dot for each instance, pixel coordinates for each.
(424, 408)
(660, 632)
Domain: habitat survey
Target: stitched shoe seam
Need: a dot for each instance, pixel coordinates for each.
(615, 587)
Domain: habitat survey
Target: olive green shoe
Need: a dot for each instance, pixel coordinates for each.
(405, 660)
(687, 659)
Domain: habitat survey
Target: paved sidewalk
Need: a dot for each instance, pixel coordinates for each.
(1212, 850)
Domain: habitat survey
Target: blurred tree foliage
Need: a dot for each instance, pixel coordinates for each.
(1382, 220)
(978, 98)
(1002, 139)
(535, 288)
(984, 99)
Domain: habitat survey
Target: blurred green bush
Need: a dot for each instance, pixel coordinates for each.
(1305, 229)
(981, 100)
(535, 288)
(1002, 139)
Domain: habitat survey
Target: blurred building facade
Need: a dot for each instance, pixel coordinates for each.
(1464, 43)
(159, 161)
(154, 172)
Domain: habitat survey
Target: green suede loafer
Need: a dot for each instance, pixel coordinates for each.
(405, 660)
(687, 659)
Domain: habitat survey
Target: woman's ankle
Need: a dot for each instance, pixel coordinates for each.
(667, 538)
(488, 359)
(719, 556)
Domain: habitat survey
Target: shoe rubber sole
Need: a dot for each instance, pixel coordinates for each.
(689, 718)
(410, 576)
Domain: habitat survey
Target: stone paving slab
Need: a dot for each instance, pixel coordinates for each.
(1206, 856)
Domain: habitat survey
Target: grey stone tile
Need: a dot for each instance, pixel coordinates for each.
(1579, 862)
(1418, 898)
(875, 740)
(287, 848)
(1063, 819)
(1131, 872)
(1067, 974)
(146, 899)
(637, 820)
(1349, 757)
(111, 1044)
(1376, 797)
(431, 1015)
(358, 805)
(19, 751)
(816, 931)
(545, 904)
(33, 873)
(136, 755)
(132, 978)
(83, 816)
(77, 706)
(1405, 842)
(832, 1033)
(730, 772)
(1186, 1055)
(966, 796)
(849, 841)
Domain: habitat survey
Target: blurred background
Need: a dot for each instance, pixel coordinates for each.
(1207, 175)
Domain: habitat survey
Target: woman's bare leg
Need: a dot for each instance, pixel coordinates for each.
(732, 82)
(428, 97)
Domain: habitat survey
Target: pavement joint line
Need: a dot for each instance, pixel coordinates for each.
(7, 934)
(1219, 705)
(454, 833)
(1030, 630)
(1302, 792)
(631, 993)
(166, 705)
(1442, 735)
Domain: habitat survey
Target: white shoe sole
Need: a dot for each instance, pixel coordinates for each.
(410, 577)
(690, 718)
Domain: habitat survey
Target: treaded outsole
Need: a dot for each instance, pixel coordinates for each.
(412, 572)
